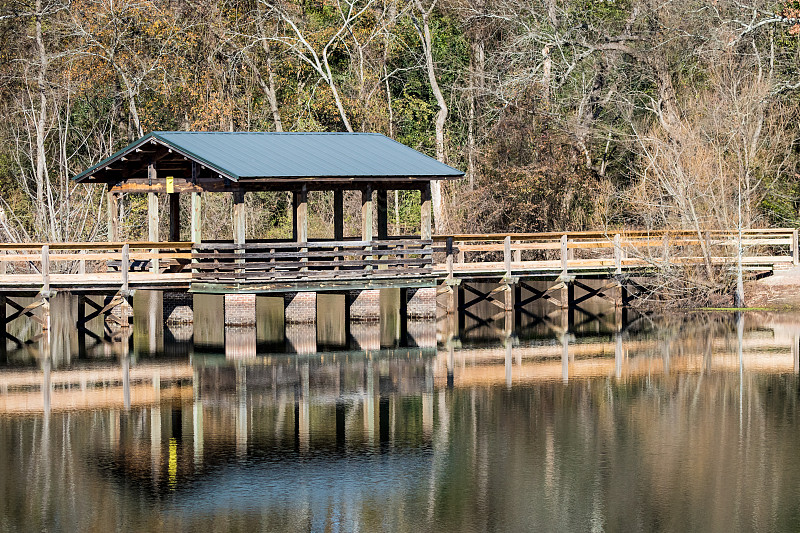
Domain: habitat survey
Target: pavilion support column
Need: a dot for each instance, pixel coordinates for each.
(338, 215)
(197, 206)
(239, 224)
(383, 220)
(239, 217)
(174, 217)
(300, 201)
(425, 212)
(366, 220)
(382, 197)
(112, 212)
(152, 227)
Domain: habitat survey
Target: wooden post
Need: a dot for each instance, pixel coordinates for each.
(564, 272)
(124, 267)
(383, 221)
(239, 217)
(338, 215)
(509, 304)
(239, 223)
(507, 256)
(197, 206)
(795, 251)
(518, 254)
(3, 327)
(152, 219)
(665, 245)
(45, 268)
(618, 268)
(112, 214)
(425, 212)
(449, 260)
(403, 317)
(3, 264)
(301, 218)
(366, 220)
(81, 325)
(174, 217)
(383, 213)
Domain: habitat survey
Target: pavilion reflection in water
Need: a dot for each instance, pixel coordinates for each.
(174, 407)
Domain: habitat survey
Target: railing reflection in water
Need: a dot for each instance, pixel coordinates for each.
(159, 411)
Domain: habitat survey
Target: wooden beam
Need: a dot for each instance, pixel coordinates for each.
(197, 206)
(239, 217)
(112, 215)
(425, 212)
(338, 215)
(174, 217)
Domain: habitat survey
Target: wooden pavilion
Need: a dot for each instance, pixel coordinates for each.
(240, 162)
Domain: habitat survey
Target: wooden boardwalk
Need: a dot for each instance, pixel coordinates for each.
(278, 266)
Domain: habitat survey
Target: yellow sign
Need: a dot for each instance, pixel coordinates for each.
(170, 184)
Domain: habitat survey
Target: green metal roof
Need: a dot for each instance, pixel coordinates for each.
(249, 155)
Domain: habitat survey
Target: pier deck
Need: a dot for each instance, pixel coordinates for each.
(279, 266)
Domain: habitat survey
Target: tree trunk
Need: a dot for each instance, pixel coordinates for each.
(441, 118)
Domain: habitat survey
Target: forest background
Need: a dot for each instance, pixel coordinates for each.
(564, 114)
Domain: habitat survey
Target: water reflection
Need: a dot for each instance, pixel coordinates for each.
(540, 420)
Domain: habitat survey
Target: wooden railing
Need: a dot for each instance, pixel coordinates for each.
(39, 264)
(613, 251)
(65, 262)
(260, 261)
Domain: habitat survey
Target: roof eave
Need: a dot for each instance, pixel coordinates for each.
(152, 137)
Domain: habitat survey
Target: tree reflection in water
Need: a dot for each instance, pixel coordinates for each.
(648, 423)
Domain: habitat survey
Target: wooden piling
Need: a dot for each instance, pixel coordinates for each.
(3, 328)
(509, 302)
(125, 267)
(45, 268)
(564, 272)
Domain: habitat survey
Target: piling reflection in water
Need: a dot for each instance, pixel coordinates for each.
(599, 420)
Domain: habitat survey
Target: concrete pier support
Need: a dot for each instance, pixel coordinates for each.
(178, 308)
(240, 309)
(300, 307)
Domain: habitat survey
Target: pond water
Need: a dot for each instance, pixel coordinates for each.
(595, 420)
